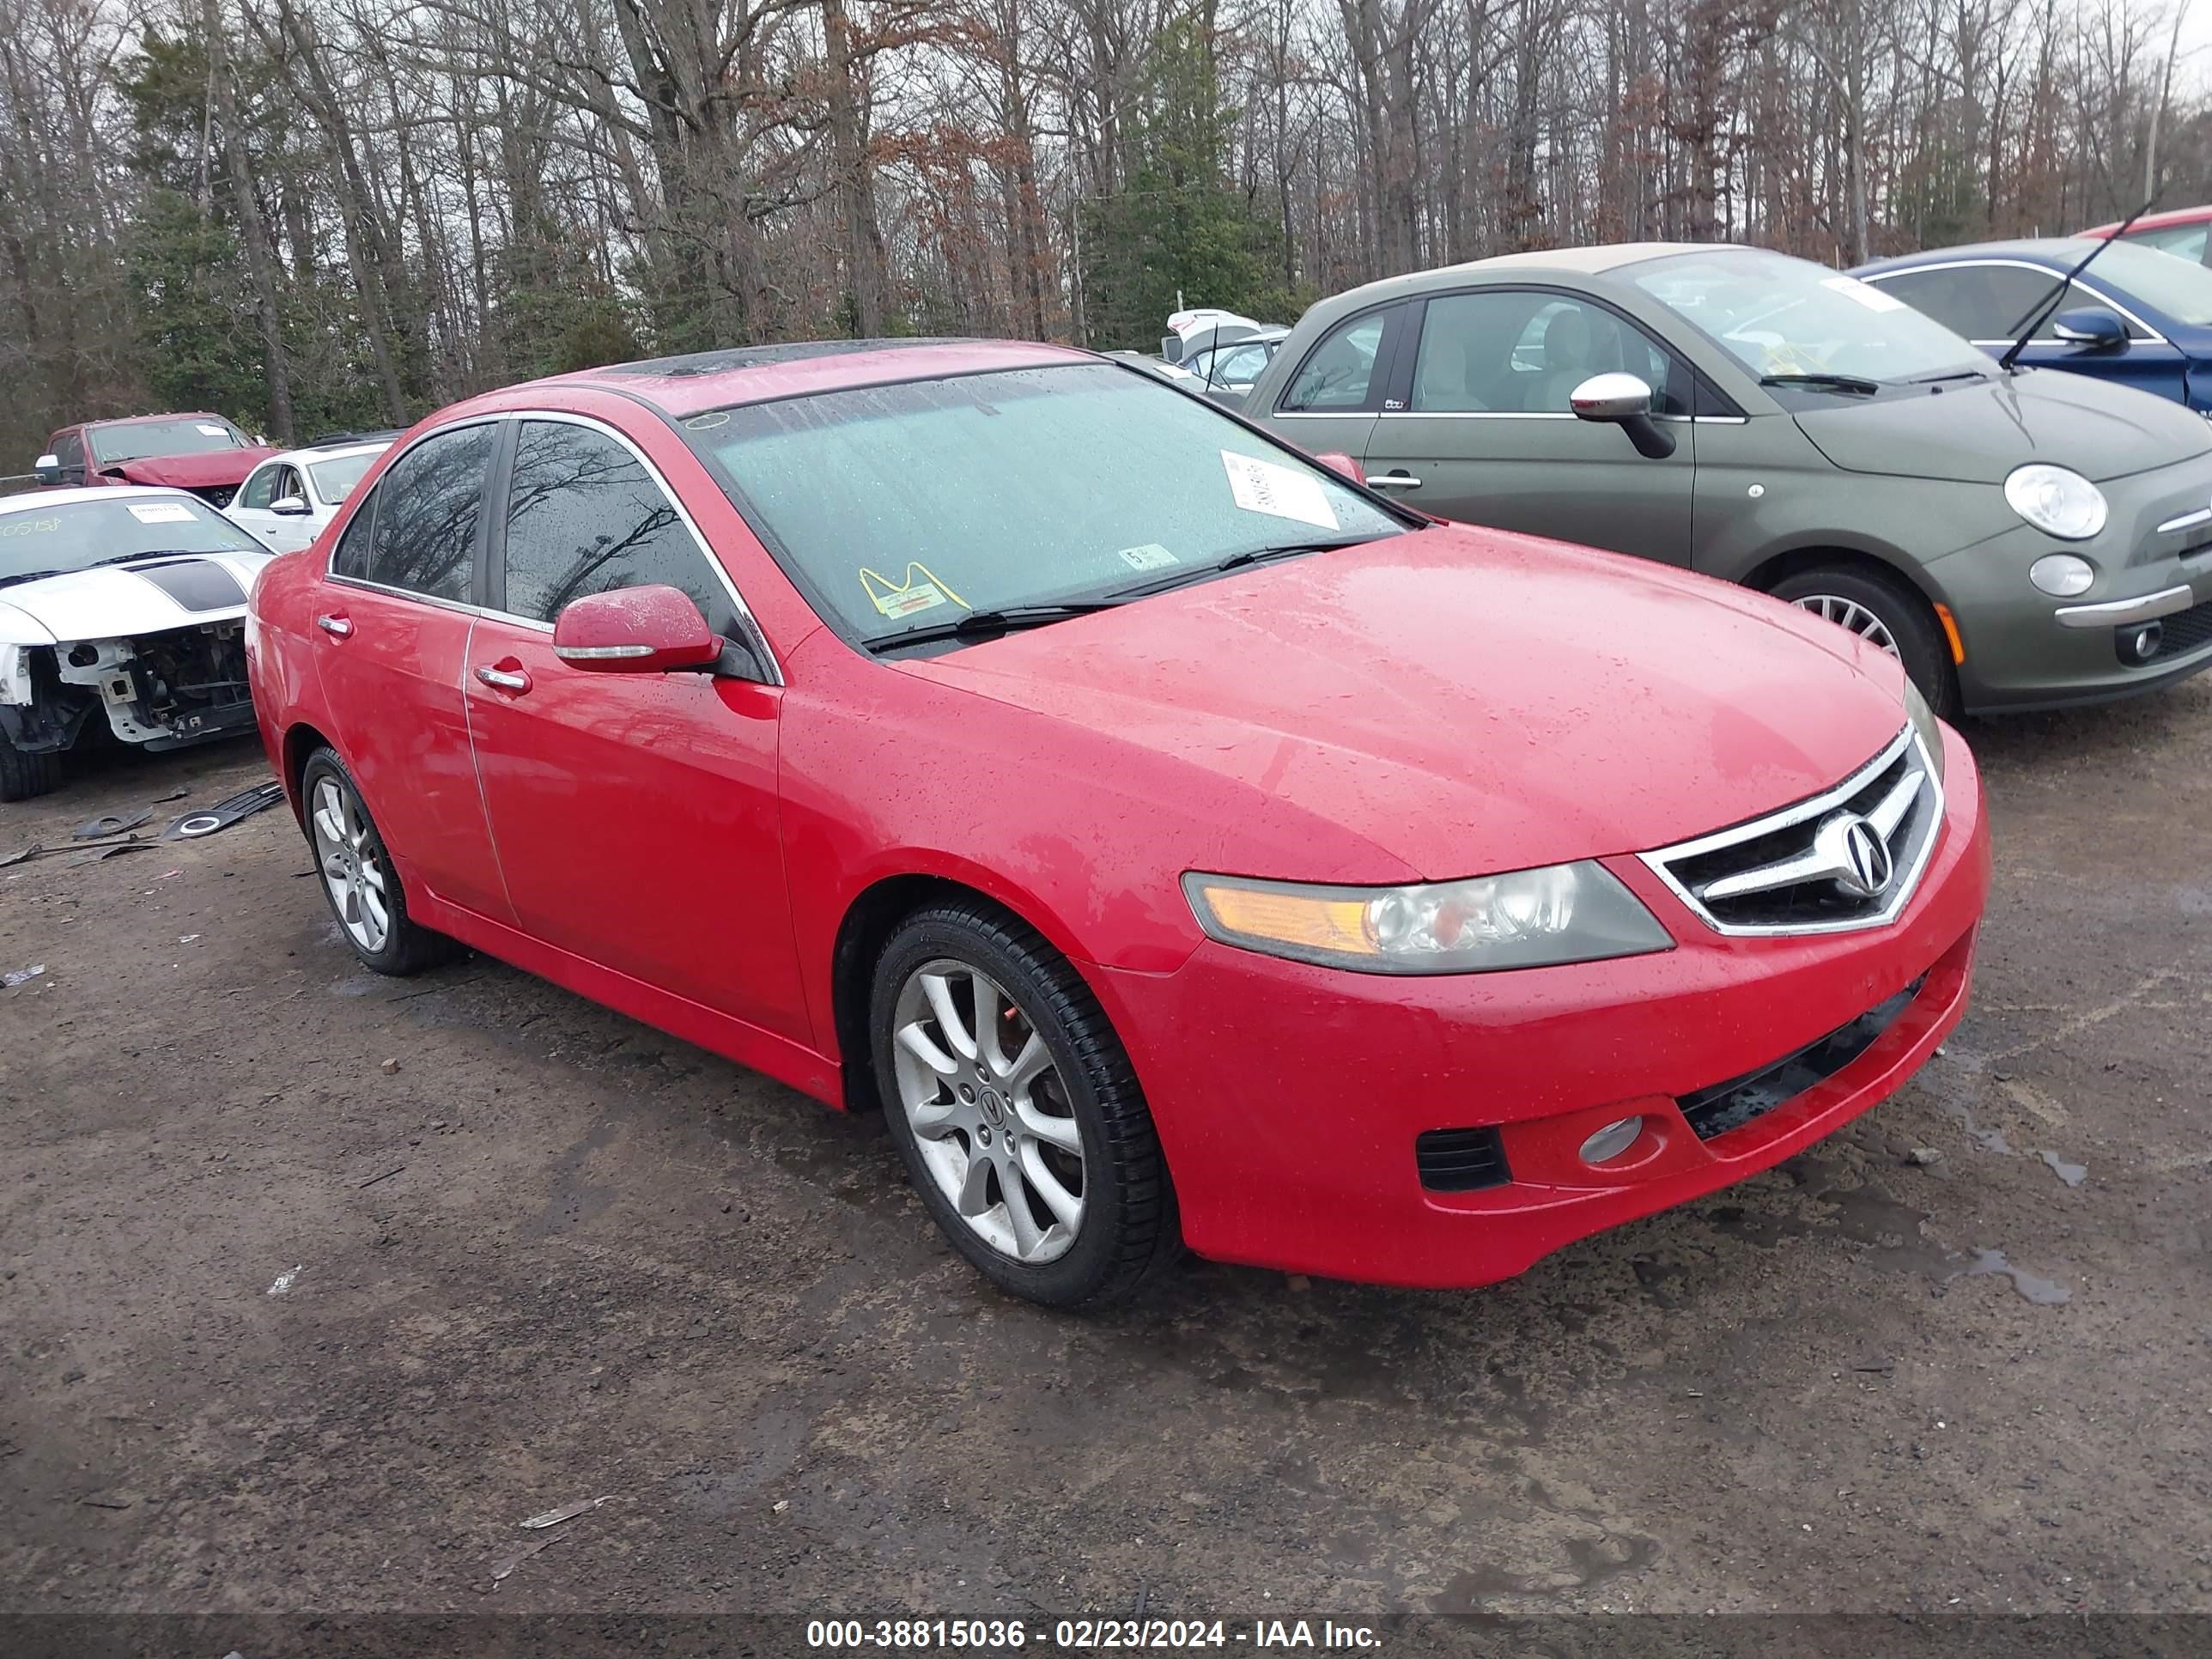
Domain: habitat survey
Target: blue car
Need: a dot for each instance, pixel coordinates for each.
(2136, 317)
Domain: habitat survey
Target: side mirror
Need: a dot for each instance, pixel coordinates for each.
(47, 469)
(1337, 461)
(2092, 327)
(636, 630)
(292, 507)
(1624, 401)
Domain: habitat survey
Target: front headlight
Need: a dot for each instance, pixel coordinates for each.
(1925, 723)
(1527, 919)
(2055, 500)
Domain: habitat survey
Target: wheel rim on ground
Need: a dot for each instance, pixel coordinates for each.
(1849, 614)
(989, 1111)
(352, 866)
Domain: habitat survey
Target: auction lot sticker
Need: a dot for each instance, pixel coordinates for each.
(1281, 492)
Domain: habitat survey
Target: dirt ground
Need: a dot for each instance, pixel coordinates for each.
(283, 1328)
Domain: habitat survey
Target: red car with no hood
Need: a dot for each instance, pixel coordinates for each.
(202, 453)
(1178, 841)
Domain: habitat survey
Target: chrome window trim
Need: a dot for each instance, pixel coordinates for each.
(2152, 335)
(1906, 882)
(754, 635)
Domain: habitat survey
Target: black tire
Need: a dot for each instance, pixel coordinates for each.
(24, 776)
(1911, 623)
(408, 947)
(1129, 1231)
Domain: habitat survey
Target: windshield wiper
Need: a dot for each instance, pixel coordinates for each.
(1955, 375)
(1235, 562)
(29, 576)
(1852, 383)
(982, 624)
(2024, 330)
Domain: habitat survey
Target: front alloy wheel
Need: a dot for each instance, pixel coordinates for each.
(989, 1113)
(1016, 1109)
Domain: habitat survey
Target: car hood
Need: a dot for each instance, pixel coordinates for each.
(210, 469)
(1469, 701)
(1976, 434)
(145, 596)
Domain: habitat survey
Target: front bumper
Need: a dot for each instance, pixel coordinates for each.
(1289, 1098)
(2025, 649)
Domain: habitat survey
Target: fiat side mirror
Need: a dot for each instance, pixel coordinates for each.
(292, 507)
(1624, 401)
(2091, 327)
(47, 469)
(636, 630)
(1337, 461)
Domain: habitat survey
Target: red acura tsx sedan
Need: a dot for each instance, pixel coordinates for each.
(1178, 842)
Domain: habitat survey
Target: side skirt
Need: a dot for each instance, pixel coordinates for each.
(779, 1057)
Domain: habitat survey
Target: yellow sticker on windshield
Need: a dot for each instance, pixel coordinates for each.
(919, 591)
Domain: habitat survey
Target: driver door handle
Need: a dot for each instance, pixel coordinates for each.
(335, 626)
(1394, 481)
(515, 681)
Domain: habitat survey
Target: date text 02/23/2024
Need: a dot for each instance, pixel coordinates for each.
(1087, 1635)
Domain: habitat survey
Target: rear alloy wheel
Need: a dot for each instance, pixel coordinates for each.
(24, 775)
(1016, 1109)
(1884, 613)
(364, 890)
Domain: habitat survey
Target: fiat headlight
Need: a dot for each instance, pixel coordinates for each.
(1527, 919)
(2055, 500)
(1925, 723)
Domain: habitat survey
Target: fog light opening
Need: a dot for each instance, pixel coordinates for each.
(2139, 643)
(1613, 1140)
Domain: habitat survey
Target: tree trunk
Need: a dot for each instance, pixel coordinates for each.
(259, 262)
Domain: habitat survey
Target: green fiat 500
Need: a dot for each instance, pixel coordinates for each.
(2020, 538)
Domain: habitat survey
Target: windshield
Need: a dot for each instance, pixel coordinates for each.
(334, 480)
(140, 439)
(2161, 282)
(54, 540)
(1777, 315)
(901, 507)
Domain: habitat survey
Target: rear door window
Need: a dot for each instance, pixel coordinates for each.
(429, 511)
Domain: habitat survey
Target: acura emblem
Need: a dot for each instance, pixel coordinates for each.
(1856, 855)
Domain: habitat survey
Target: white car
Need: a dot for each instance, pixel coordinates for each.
(288, 498)
(123, 605)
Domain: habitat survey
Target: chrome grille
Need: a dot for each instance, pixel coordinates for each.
(1846, 859)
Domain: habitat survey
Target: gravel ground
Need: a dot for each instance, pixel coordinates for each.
(285, 1326)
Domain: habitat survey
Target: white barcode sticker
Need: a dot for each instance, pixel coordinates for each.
(160, 512)
(1281, 492)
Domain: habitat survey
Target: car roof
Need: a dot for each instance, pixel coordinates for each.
(1591, 261)
(173, 414)
(329, 452)
(28, 499)
(757, 374)
(2059, 252)
(2188, 215)
(1560, 261)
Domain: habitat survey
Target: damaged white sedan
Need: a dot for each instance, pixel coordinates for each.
(122, 608)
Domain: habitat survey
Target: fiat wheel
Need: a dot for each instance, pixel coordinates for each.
(1884, 613)
(1016, 1109)
(364, 891)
